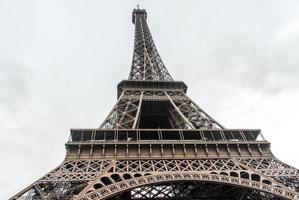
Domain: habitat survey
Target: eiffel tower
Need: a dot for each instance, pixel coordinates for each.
(156, 143)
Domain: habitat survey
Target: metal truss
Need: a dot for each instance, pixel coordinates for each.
(103, 179)
(186, 190)
(52, 190)
(194, 116)
(191, 157)
(128, 175)
(65, 181)
(124, 114)
(276, 169)
(147, 63)
(183, 113)
(197, 190)
(77, 170)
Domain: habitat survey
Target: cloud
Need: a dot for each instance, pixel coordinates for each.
(14, 89)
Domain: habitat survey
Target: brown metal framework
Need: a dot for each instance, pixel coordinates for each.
(156, 143)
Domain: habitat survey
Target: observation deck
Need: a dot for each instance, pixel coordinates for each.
(143, 85)
(166, 143)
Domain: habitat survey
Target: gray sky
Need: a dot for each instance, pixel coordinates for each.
(60, 62)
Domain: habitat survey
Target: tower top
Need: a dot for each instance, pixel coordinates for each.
(140, 12)
(147, 64)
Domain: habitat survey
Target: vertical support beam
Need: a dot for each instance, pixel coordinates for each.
(106, 119)
(178, 110)
(201, 110)
(137, 117)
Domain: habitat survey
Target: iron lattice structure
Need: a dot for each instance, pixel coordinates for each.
(156, 143)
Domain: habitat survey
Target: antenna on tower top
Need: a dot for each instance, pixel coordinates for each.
(138, 6)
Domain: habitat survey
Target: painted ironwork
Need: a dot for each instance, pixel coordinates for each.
(147, 63)
(156, 143)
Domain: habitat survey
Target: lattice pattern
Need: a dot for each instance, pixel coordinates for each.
(273, 167)
(129, 174)
(111, 177)
(147, 63)
(195, 116)
(177, 120)
(124, 113)
(194, 190)
(270, 166)
(183, 112)
(65, 181)
(52, 190)
(77, 170)
(156, 166)
(100, 192)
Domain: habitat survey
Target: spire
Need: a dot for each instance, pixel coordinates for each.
(147, 63)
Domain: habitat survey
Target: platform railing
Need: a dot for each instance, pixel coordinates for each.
(131, 135)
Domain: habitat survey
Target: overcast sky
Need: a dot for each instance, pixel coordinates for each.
(60, 62)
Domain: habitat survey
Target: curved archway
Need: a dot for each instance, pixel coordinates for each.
(125, 185)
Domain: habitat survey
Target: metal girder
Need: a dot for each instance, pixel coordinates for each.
(183, 114)
(147, 63)
(198, 191)
(197, 118)
(102, 179)
(119, 161)
(127, 175)
(187, 190)
(272, 167)
(124, 114)
(65, 181)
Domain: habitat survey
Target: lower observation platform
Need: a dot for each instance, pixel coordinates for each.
(166, 143)
(200, 135)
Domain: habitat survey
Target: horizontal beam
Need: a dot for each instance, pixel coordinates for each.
(151, 85)
(199, 135)
(90, 150)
